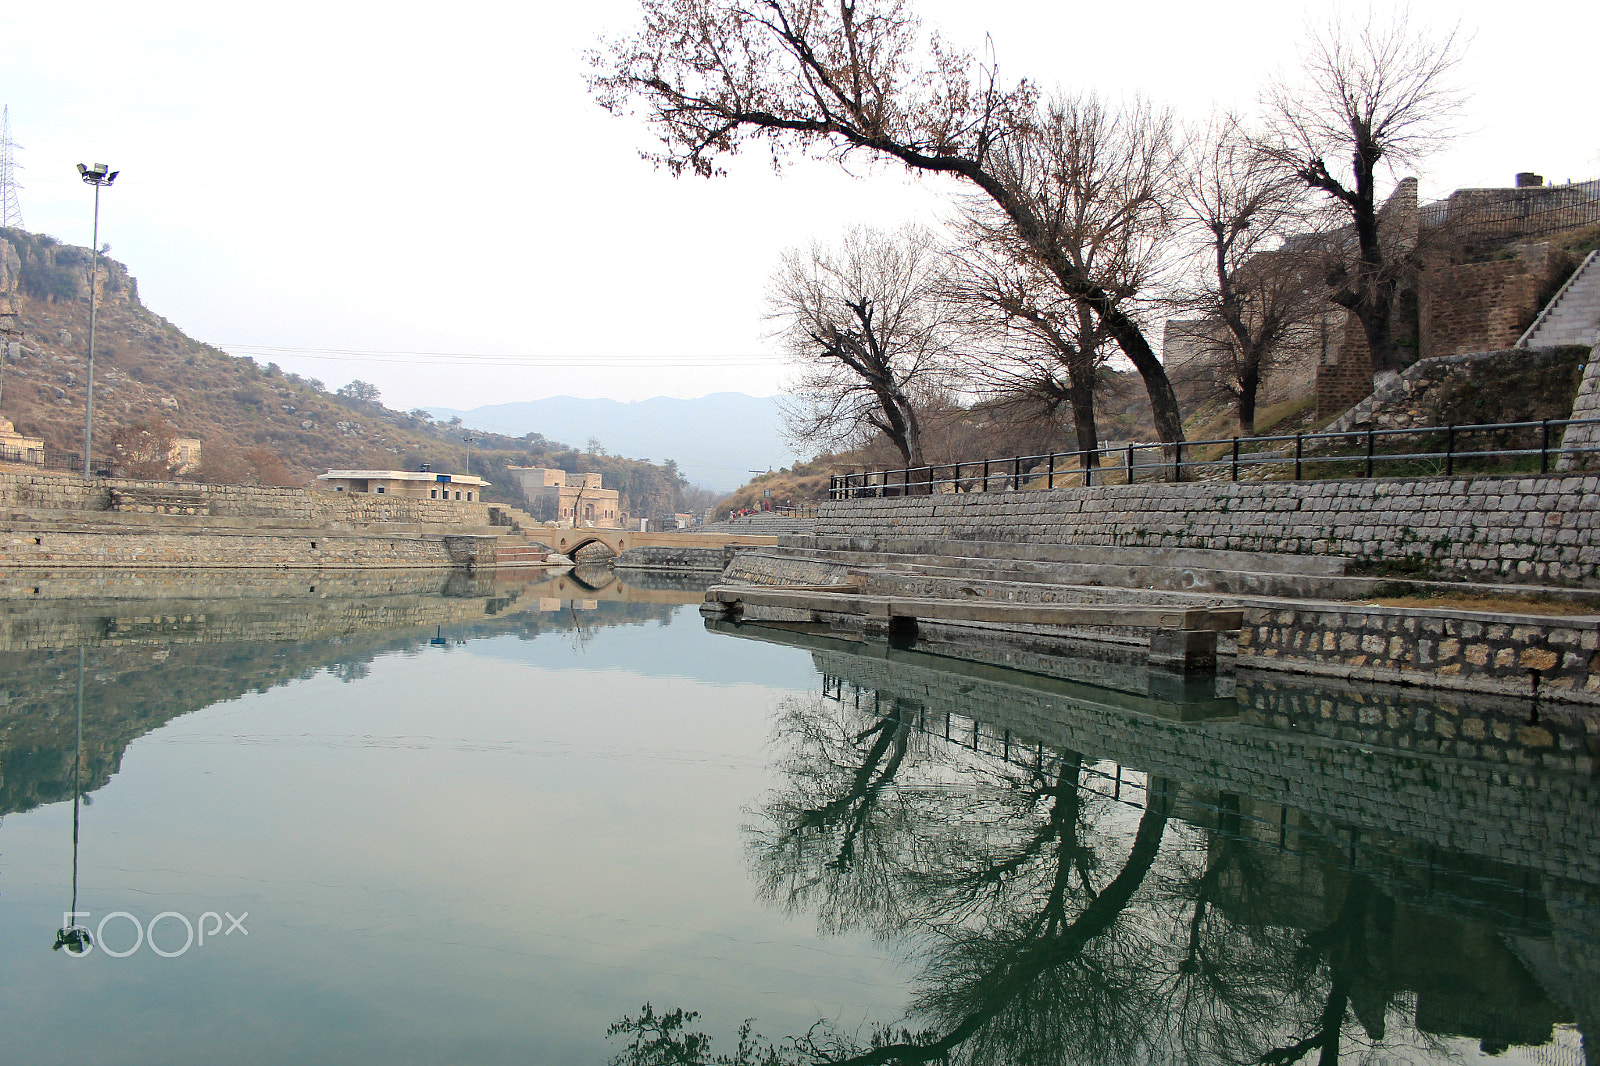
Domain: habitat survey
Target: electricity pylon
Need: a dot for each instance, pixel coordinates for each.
(10, 210)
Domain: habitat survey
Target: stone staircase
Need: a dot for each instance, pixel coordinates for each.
(521, 555)
(515, 548)
(1573, 316)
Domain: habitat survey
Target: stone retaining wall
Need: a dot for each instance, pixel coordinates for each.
(698, 560)
(134, 548)
(1533, 529)
(1471, 651)
(1467, 651)
(1447, 649)
(307, 507)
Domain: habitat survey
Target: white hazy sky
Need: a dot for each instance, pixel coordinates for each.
(429, 178)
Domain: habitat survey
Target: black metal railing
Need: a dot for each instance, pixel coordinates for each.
(1428, 451)
(43, 458)
(1503, 214)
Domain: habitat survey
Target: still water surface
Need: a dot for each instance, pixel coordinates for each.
(486, 823)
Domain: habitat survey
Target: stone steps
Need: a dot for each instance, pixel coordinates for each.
(763, 523)
(1573, 316)
(1167, 569)
(520, 555)
(518, 519)
(1225, 576)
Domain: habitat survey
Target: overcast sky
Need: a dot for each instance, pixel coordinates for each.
(301, 179)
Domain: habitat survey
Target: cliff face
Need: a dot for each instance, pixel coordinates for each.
(44, 269)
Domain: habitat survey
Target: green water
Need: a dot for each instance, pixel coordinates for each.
(467, 822)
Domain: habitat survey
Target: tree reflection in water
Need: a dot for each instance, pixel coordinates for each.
(1054, 922)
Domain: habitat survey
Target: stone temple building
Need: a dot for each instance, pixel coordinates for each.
(555, 495)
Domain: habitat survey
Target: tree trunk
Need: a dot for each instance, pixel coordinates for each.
(1084, 425)
(1249, 384)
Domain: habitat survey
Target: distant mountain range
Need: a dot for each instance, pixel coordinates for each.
(716, 440)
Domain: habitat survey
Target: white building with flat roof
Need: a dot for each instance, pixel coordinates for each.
(415, 484)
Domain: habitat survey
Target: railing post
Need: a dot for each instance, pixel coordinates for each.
(955, 479)
(1236, 458)
(1299, 454)
(1016, 473)
(1370, 435)
(1177, 468)
(1449, 450)
(986, 475)
(1050, 472)
(905, 482)
(1544, 446)
(1130, 463)
(1088, 468)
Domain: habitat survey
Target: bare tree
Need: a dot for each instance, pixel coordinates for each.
(1254, 288)
(1042, 352)
(1102, 180)
(825, 78)
(864, 322)
(1372, 101)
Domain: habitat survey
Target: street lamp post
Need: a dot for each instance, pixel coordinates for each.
(98, 177)
(468, 438)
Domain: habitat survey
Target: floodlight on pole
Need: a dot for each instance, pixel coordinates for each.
(100, 176)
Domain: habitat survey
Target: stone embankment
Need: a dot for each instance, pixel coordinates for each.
(1447, 648)
(66, 521)
(1536, 530)
(1302, 558)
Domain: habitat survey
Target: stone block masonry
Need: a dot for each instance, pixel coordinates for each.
(1467, 651)
(64, 521)
(699, 560)
(135, 548)
(1528, 530)
(274, 506)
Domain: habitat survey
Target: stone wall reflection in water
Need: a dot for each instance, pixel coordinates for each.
(1088, 877)
(1262, 871)
(161, 648)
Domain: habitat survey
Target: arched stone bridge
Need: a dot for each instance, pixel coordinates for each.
(567, 541)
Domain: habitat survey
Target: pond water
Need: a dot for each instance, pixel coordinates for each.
(423, 819)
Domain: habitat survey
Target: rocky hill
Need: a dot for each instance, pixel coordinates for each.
(257, 424)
